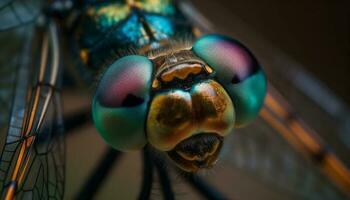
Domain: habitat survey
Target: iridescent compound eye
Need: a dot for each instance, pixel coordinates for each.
(120, 103)
(238, 71)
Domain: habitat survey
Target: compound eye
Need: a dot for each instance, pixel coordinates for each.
(238, 71)
(120, 103)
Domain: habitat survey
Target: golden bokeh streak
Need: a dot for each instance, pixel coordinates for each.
(278, 114)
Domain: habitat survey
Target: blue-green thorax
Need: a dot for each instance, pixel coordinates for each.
(107, 29)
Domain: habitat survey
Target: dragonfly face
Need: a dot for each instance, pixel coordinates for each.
(189, 113)
(183, 103)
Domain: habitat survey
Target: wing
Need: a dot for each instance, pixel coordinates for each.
(32, 145)
(16, 13)
(279, 151)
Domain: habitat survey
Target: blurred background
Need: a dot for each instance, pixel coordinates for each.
(305, 49)
(314, 33)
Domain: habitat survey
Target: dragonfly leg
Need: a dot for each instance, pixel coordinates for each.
(147, 175)
(202, 187)
(77, 119)
(98, 175)
(165, 182)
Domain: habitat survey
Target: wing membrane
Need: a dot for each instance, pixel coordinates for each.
(44, 177)
(261, 152)
(13, 95)
(16, 13)
(32, 161)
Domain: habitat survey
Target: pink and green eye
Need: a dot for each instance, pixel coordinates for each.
(120, 103)
(237, 70)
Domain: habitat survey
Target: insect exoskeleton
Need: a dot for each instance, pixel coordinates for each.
(190, 112)
(183, 103)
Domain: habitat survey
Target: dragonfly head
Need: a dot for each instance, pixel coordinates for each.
(199, 96)
(183, 103)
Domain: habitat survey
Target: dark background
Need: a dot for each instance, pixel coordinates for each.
(314, 33)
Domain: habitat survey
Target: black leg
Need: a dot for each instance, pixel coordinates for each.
(77, 119)
(147, 176)
(165, 182)
(206, 190)
(98, 175)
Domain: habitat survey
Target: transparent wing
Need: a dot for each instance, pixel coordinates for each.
(279, 153)
(15, 45)
(32, 145)
(261, 153)
(16, 13)
(16, 18)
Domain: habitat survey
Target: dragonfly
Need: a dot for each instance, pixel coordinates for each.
(277, 148)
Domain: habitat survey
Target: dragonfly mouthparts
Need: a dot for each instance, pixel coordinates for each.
(197, 152)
